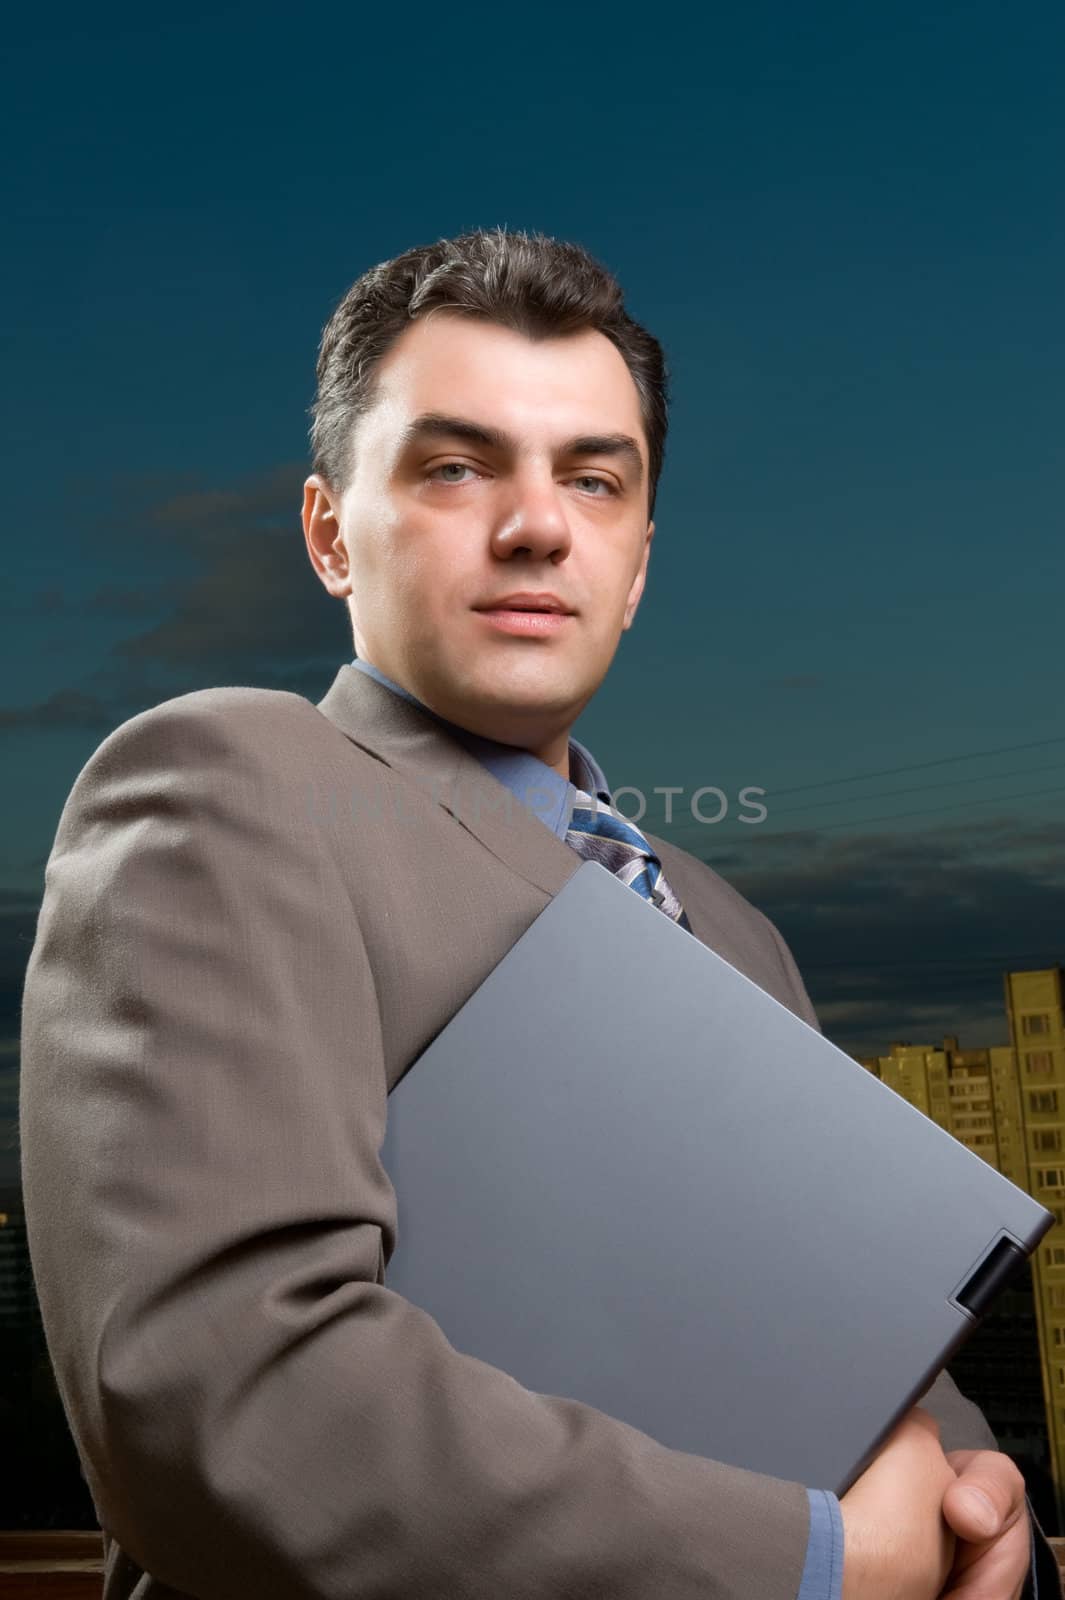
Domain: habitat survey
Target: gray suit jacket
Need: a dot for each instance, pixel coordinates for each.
(257, 913)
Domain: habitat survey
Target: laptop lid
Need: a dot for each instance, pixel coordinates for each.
(627, 1175)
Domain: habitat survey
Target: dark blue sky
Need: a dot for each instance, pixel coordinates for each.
(845, 224)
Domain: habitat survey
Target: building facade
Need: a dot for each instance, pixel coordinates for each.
(1007, 1104)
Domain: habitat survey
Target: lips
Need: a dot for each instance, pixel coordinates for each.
(526, 616)
(527, 602)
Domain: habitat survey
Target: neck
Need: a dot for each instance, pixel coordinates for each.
(501, 725)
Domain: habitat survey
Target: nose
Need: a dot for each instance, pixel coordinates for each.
(533, 519)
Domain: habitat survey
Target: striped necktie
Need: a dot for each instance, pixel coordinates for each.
(599, 833)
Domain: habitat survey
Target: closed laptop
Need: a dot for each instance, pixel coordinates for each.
(627, 1175)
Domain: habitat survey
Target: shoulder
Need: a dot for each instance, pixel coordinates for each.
(726, 921)
(226, 762)
(217, 784)
(236, 729)
(210, 717)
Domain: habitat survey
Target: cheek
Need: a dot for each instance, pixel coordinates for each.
(384, 554)
(417, 582)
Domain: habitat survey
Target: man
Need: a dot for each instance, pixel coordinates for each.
(259, 912)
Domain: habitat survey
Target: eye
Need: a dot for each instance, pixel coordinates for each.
(450, 467)
(598, 484)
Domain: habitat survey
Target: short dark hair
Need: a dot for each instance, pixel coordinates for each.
(538, 286)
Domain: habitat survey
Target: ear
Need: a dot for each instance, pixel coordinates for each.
(640, 579)
(323, 535)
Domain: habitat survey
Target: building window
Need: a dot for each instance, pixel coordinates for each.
(1049, 1177)
(1056, 1255)
(1046, 1139)
(1036, 1022)
(1042, 1100)
(1039, 1063)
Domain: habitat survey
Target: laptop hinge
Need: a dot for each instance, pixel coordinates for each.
(988, 1280)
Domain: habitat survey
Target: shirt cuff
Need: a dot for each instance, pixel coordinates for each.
(822, 1576)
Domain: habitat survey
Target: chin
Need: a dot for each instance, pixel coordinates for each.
(529, 691)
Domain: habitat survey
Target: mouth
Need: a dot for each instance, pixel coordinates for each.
(528, 618)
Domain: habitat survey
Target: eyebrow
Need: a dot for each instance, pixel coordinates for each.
(438, 425)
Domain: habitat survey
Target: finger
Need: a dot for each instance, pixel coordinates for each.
(995, 1571)
(987, 1496)
(967, 1592)
(971, 1587)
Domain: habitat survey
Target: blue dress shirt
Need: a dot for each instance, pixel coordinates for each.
(548, 795)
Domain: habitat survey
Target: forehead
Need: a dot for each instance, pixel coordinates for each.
(533, 388)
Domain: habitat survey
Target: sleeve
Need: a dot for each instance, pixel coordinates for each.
(802, 1004)
(1044, 1581)
(822, 1576)
(203, 1099)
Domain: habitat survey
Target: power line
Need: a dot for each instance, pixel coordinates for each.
(928, 811)
(921, 766)
(917, 766)
(897, 816)
(684, 828)
(920, 788)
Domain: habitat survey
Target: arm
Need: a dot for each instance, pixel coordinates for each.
(203, 1100)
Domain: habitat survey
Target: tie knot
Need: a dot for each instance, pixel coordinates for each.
(600, 833)
(598, 818)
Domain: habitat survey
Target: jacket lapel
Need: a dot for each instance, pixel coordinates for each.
(414, 744)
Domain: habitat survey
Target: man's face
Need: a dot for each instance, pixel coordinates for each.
(490, 465)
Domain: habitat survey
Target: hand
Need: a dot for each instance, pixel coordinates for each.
(897, 1542)
(992, 1554)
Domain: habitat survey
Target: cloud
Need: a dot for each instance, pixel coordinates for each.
(112, 600)
(251, 601)
(66, 708)
(238, 602)
(907, 936)
(115, 601)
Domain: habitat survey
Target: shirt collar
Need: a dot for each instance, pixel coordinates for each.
(539, 787)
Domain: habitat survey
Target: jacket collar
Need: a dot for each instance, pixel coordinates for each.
(416, 745)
